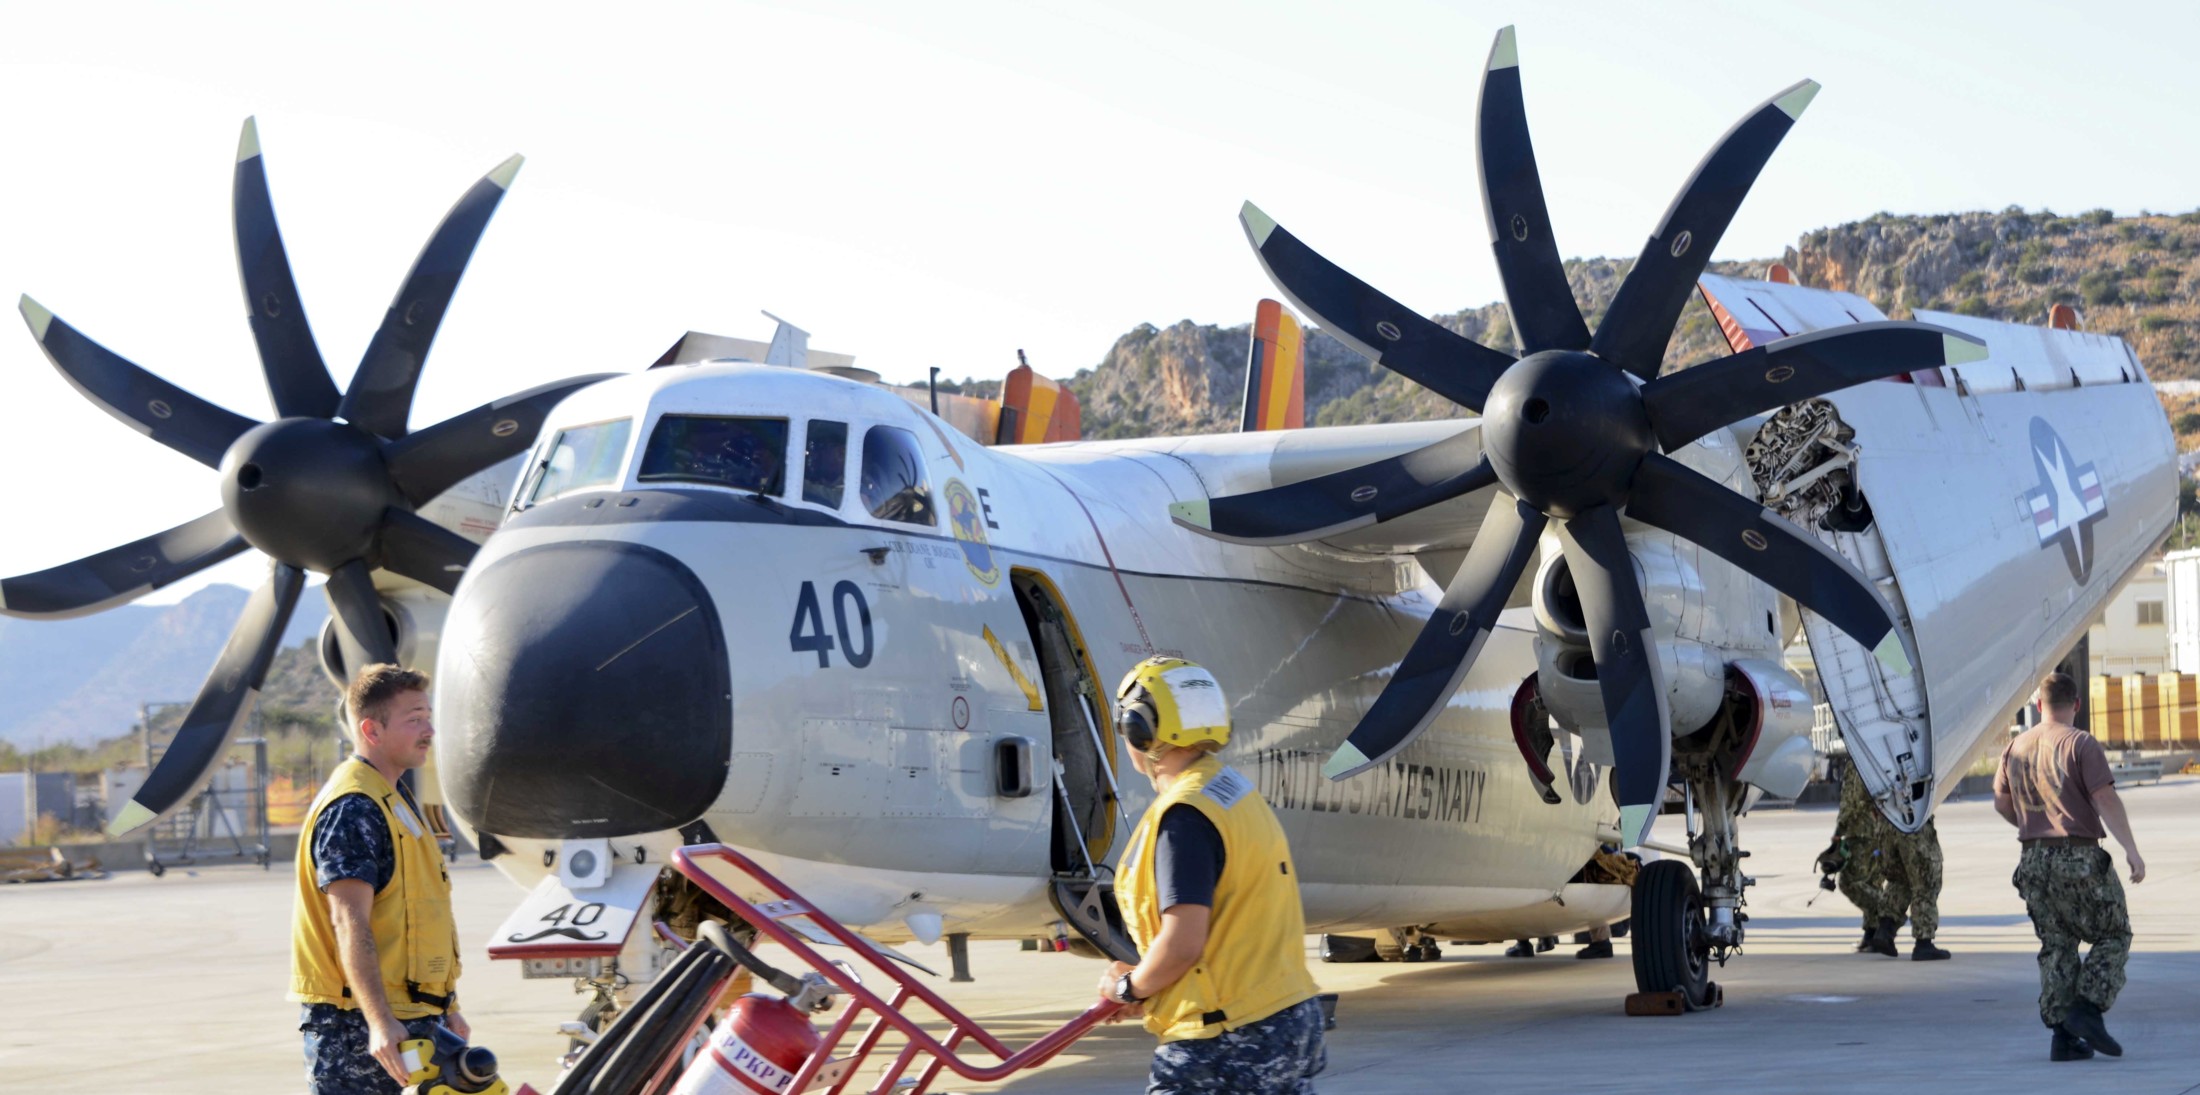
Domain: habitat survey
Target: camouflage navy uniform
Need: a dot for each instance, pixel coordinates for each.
(1279, 1055)
(2073, 896)
(1862, 831)
(351, 840)
(1913, 876)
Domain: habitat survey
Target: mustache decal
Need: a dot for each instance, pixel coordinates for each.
(569, 933)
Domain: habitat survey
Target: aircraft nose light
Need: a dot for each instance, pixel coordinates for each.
(583, 690)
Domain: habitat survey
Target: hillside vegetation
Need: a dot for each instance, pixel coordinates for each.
(2132, 276)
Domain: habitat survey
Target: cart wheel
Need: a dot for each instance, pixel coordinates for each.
(155, 868)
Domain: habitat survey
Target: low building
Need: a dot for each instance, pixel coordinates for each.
(26, 796)
(2133, 634)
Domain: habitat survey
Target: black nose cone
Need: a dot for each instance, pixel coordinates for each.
(583, 691)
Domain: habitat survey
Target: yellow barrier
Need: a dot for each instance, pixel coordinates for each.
(2146, 711)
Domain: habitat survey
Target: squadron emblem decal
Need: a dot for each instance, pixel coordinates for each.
(2068, 500)
(964, 516)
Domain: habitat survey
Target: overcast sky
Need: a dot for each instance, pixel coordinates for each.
(941, 183)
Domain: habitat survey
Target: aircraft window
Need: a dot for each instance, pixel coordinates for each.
(894, 485)
(583, 457)
(825, 462)
(747, 454)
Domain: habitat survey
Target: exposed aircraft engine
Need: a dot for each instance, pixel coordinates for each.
(333, 484)
(1803, 459)
(1578, 430)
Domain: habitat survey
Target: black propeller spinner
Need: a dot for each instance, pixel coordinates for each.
(331, 485)
(1576, 431)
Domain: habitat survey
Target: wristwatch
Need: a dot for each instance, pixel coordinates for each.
(1124, 993)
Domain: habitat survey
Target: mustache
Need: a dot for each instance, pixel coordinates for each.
(569, 933)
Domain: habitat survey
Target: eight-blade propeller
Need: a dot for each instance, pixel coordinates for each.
(330, 485)
(1576, 432)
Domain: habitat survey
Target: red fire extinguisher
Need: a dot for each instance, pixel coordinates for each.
(760, 1047)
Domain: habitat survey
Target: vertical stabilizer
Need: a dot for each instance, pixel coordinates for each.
(1275, 372)
(1035, 410)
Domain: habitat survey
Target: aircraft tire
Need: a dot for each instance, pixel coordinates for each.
(1670, 950)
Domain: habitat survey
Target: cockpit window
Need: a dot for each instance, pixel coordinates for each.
(748, 454)
(582, 457)
(894, 485)
(825, 462)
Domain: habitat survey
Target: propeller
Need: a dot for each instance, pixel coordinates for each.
(330, 485)
(1577, 433)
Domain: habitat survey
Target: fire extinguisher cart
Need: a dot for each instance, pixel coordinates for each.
(767, 1044)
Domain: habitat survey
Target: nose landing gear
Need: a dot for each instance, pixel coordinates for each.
(1688, 914)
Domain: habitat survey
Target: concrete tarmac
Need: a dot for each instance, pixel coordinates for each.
(137, 984)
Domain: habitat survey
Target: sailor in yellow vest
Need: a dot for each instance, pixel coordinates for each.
(1212, 899)
(374, 952)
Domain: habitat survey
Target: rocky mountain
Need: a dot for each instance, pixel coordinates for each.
(2130, 276)
(81, 681)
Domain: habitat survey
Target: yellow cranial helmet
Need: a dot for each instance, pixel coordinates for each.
(1173, 702)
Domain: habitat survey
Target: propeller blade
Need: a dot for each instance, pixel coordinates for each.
(379, 400)
(424, 551)
(1627, 665)
(297, 379)
(222, 704)
(1377, 327)
(434, 460)
(1448, 643)
(142, 401)
(118, 574)
(361, 629)
(1542, 303)
(1693, 402)
(1340, 501)
(1639, 324)
(1742, 531)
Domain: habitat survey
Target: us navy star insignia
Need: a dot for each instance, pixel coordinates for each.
(2068, 500)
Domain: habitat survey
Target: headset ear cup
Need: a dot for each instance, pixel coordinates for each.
(1136, 726)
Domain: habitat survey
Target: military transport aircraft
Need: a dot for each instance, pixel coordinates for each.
(803, 615)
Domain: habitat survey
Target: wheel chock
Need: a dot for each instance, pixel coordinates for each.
(1675, 1002)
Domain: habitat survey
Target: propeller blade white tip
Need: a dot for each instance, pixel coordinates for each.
(1634, 823)
(36, 315)
(506, 172)
(1891, 654)
(1346, 759)
(248, 142)
(1960, 350)
(1258, 226)
(1506, 52)
(1792, 101)
(1194, 514)
(133, 816)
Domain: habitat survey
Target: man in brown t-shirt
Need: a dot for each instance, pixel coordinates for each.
(2055, 787)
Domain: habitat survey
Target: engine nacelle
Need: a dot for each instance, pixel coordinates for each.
(1682, 616)
(1704, 611)
(1773, 715)
(414, 615)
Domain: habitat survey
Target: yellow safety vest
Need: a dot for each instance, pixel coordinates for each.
(1254, 964)
(414, 936)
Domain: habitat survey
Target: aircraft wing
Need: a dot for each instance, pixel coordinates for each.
(1753, 313)
(1405, 459)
